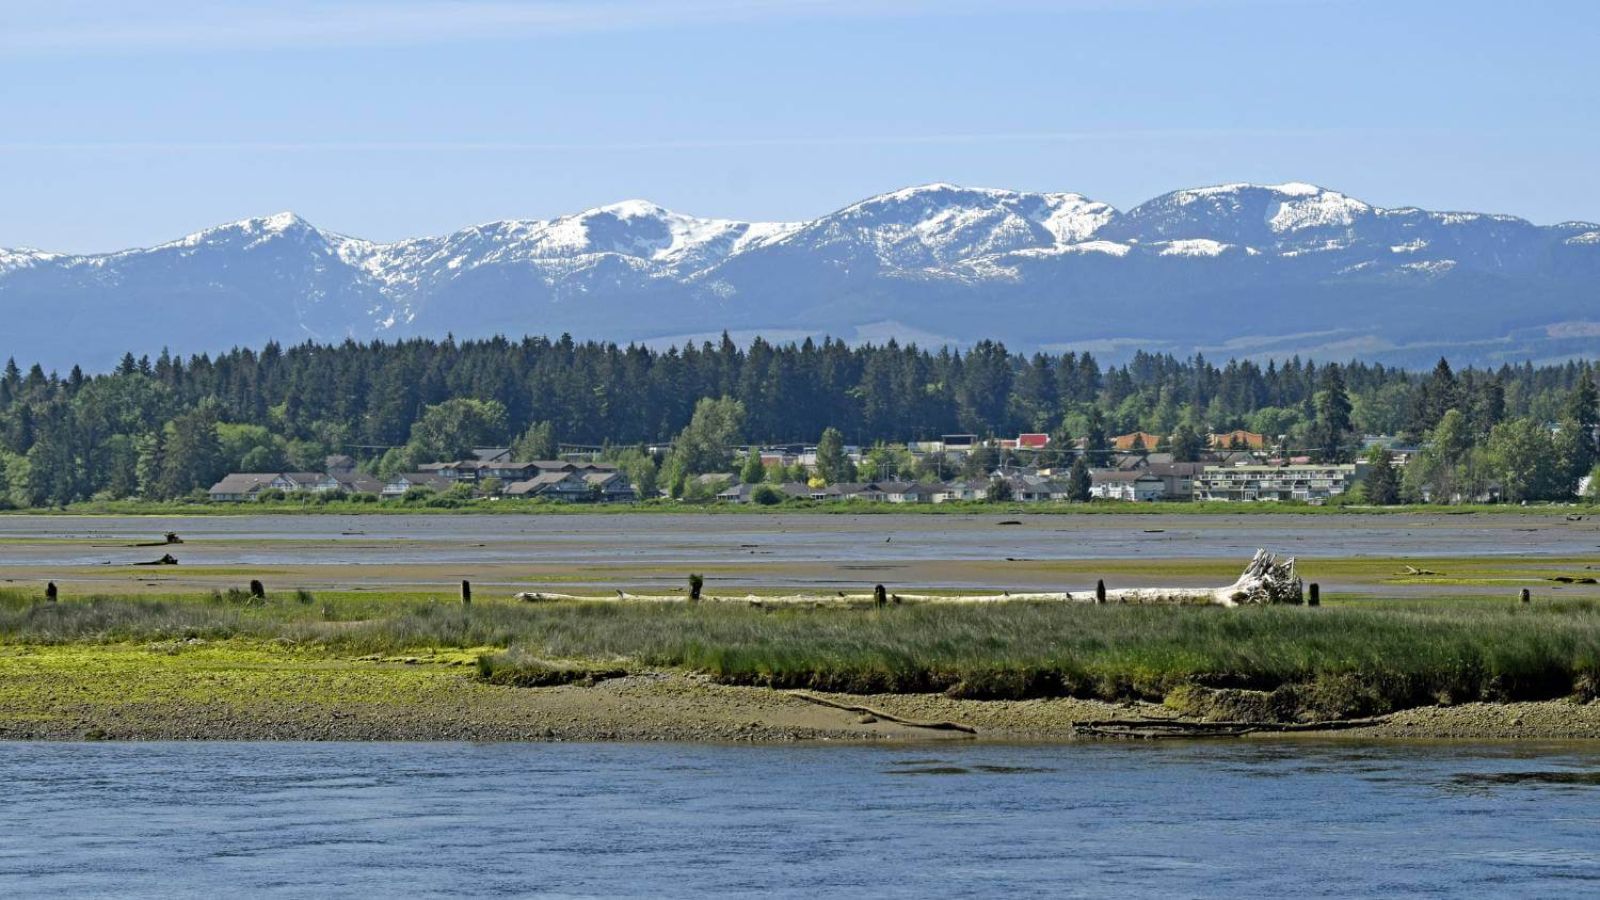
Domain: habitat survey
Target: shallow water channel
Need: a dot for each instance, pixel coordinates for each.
(1191, 819)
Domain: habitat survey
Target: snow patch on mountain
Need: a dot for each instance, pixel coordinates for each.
(1318, 209)
(252, 232)
(939, 224)
(22, 258)
(1192, 247)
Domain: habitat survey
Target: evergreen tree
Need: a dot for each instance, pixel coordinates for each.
(1579, 439)
(193, 453)
(1439, 394)
(1333, 428)
(1096, 444)
(1186, 444)
(1078, 480)
(1583, 404)
(1382, 483)
(1574, 452)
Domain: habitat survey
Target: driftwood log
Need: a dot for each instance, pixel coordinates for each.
(1155, 729)
(880, 714)
(1266, 580)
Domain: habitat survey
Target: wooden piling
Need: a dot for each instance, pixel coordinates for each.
(50, 592)
(880, 596)
(1316, 595)
(1526, 596)
(466, 592)
(257, 589)
(1100, 591)
(696, 582)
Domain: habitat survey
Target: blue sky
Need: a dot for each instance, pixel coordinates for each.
(127, 124)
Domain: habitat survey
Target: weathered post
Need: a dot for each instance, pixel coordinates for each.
(696, 582)
(1527, 595)
(880, 596)
(50, 592)
(258, 591)
(466, 592)
(1100, 591)
(1316, 595)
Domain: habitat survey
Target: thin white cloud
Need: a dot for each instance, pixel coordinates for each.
(115, 26)
(733, 143)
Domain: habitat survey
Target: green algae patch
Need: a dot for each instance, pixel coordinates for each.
(200, 683)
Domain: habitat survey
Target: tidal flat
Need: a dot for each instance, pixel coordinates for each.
(361, 633)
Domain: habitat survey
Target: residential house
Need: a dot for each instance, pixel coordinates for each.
(356, 483)
(745, 493)
(1128, 462)
(1037, 489)
(1139, 486)
(1136, 440)
(240, 486)
(738, 493)
(565, 486)
(1177, 478)
(971, 489)
(1238, 439)
(855, 491)
(907, 491)
(1033, 441)
(608, 486)
(959, 443)
(400, 485)
(1313, 483)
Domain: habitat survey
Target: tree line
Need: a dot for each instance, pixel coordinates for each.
(169, 427)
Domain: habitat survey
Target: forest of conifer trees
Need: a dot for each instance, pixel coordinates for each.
(167, 428)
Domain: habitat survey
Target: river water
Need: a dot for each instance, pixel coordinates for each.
(1203, 819)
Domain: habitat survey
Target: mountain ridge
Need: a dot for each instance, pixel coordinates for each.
(1190, 270)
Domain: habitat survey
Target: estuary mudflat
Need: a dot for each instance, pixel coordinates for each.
(1365, 554)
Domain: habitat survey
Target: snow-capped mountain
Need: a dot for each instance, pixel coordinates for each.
(1236, 269)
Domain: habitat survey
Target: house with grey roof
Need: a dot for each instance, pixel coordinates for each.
(401, 484)
(1138, 486)
(565, 486)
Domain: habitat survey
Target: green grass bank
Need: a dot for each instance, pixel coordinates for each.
(1286, 663)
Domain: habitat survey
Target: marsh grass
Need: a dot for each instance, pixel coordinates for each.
(1335, 661)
